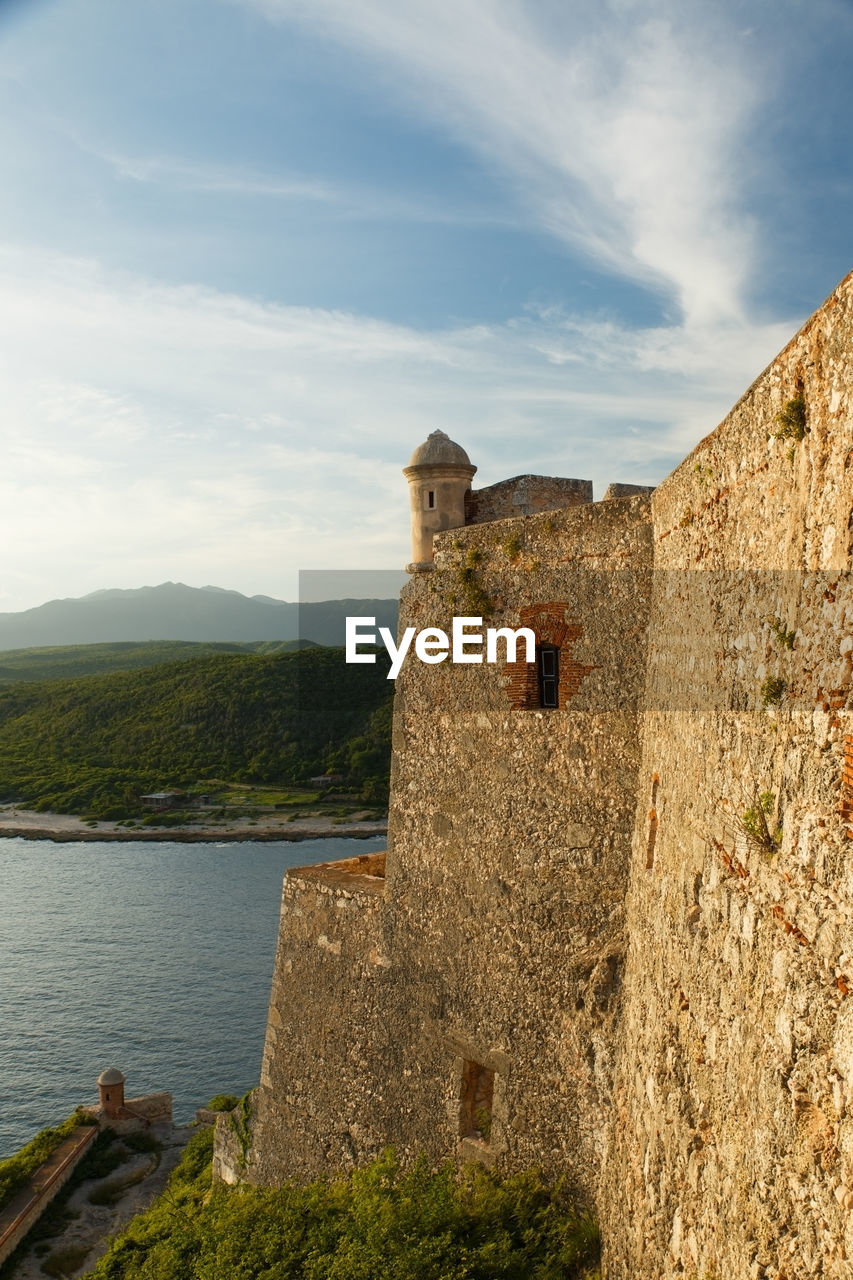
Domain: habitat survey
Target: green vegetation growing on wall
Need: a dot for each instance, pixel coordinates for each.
(512, 545)
(240, 1119)
(761, 834)
(785, 637)
(94, 745)
(377, 1224)
(472, 595)
(19, 1168)
(223, 1102)
(792, 420)
(772, 689)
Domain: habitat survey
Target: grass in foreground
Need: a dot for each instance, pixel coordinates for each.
(16, 1172)
(378, 1224)
(104, 1156)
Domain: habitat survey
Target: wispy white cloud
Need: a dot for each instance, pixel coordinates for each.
(153, 432)
(196, 176)
(620, 122)
(343, 199)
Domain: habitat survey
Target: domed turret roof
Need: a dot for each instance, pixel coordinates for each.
(112, 1075)
(438, 450)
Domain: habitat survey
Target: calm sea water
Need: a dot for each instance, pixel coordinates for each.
(154, 958)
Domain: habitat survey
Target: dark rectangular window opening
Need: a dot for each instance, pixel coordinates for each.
(548, 665)
(478, 1088)
(430, 499)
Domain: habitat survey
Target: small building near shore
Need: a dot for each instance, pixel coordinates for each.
(114, 1111)
(159, 801)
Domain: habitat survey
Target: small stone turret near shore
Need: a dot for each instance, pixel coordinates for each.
(124, 1115)
(43, 1167)
(111, 1092)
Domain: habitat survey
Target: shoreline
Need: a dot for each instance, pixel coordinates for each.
(62, 828)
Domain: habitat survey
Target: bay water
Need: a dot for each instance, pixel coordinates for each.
(155, 958)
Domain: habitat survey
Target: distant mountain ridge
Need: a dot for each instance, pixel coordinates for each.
(174, 611)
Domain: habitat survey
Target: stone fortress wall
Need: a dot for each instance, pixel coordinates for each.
(509, 835)
(592, 950)
(321, 1099)
(385, 995)
(731, 1144)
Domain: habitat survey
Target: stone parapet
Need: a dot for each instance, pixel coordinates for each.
(328, 1047)
(23, 1213)
(618, 490)
(525, 496)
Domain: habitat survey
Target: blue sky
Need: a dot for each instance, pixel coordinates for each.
(253, 251)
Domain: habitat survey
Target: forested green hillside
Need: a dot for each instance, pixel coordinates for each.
(67, 661)
(93, 745)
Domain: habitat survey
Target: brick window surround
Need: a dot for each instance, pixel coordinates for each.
(548, 623)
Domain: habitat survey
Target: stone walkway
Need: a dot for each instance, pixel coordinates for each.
(41, 1184)
(88, 1233)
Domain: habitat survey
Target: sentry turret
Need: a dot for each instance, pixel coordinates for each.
(439, 475)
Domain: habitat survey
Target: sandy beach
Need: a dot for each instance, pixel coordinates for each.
(63, 827)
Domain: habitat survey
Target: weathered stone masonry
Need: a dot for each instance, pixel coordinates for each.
(730, 1151)
(615, 939)
(321, 1101)
(507, 855)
